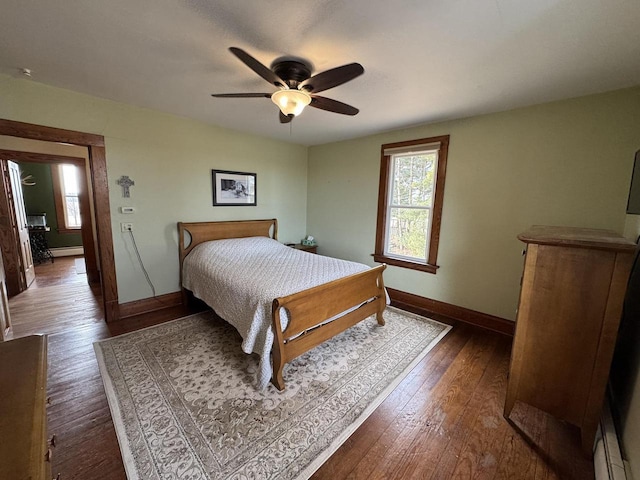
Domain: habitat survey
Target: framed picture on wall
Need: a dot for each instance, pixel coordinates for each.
(233, 188)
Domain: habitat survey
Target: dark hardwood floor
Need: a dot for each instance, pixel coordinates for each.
(443, 421)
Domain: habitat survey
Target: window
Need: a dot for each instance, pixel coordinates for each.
(410, 203)
(66, 191)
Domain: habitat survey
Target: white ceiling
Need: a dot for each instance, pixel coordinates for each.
(424, 60)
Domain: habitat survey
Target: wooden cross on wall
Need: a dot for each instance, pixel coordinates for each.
(125, 182)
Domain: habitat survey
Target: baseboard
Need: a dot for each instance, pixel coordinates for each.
(406, 301)
(146, 305)
(67, 251)
(427, 306)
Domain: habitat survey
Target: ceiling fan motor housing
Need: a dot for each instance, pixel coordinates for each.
(292, 72)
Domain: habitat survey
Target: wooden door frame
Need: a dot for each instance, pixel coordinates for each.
(93, 272)
(100, 183)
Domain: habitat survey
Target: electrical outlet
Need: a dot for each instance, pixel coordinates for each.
(126, 227)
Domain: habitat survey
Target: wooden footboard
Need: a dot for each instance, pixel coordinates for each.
(307, 310)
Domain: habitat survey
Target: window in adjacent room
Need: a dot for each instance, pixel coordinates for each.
(412, 178)
(66, 191)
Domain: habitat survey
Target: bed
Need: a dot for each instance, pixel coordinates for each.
(282, 301)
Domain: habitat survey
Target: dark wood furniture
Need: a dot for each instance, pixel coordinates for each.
(39, 244)
(573, 287)
(24, 451)
(306, 248)
(307, 309)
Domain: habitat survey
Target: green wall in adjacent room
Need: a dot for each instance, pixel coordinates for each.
(39, 198)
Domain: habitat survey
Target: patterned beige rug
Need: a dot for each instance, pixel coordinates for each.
(184, 405)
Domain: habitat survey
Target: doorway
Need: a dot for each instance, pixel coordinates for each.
(99, 216)
(41, 194)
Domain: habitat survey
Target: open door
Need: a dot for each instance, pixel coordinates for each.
(28, 269)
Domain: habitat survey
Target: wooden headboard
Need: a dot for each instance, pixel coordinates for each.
(199, 232)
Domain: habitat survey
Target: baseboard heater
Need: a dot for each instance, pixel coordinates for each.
(607, 458)
(67, 251)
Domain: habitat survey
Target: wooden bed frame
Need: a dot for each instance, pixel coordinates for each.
(307, 309)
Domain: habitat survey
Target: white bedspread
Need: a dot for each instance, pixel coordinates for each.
(240, 277)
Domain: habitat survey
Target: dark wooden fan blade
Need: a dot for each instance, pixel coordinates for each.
(285, 118)
(334, 106)
(241, 95)
(258, 67)
(332, 78)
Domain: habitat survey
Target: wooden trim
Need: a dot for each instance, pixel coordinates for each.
(431, 265)
(33, 157)
(438, 199)
(100, 182)
(383, 195)
(49, 134)
(423, 267)
(427, 306)
(57, 199)
(98, 170)
(152, 304)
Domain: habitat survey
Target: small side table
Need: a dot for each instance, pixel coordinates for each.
(39, 245)
(306, 248)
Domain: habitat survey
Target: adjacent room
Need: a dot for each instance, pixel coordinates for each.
(320, 240)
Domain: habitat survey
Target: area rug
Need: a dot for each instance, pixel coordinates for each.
(184, 405)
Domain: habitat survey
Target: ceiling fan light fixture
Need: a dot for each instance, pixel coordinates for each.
(291, 102)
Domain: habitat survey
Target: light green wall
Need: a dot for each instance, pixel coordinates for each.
(170, 159)
(564, 163)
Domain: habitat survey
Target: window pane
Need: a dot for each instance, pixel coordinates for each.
(70, 180)
(408, 229)
(413, 179)
(72, 205)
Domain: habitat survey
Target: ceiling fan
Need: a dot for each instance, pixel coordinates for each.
(297, 88)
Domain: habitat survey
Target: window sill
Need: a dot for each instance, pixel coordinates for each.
(396, 262)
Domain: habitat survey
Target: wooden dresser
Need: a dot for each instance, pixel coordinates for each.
(573, 287)
(24, 451)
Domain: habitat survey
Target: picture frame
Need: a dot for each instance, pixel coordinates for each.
(234, 189)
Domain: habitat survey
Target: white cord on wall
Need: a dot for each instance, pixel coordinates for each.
(135, 247)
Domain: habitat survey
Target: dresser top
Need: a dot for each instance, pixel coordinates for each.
(577, 237)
